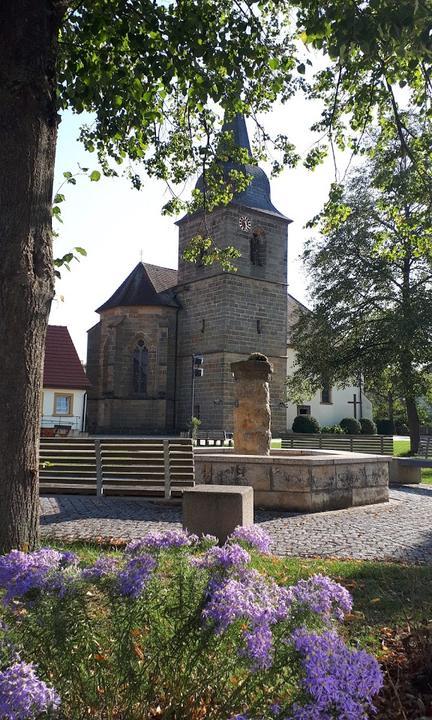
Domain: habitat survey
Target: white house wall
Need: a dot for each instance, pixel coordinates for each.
(328, 413)
(49, 419)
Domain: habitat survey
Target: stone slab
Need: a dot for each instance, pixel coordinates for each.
(403, 474)
(217, 509)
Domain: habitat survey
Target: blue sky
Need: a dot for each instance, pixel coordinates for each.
(116, 224)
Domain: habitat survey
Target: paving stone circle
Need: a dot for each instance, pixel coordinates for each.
(400, 530)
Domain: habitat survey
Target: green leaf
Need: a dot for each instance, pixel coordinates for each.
(95, 176)
(301, 68)
(81, 251)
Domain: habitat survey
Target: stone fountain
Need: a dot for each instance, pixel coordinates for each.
(299, 480)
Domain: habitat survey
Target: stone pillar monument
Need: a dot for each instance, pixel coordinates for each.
(252, 415)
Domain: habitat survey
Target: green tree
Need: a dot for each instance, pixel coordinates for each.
(153, 73)
(371, 280)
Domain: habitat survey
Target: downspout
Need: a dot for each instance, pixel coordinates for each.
(84, 414)
(175, 369)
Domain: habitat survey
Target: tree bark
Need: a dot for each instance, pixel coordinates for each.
(28, 129)
(413, 424)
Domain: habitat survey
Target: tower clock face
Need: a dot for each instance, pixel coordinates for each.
(245, 223)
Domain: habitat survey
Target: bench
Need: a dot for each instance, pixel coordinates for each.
(407, 470)
(213, 437)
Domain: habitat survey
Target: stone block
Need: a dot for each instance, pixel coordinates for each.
(290, 478)
(331, 499)
(294, 501)
(402, 474)
(217, 509)
(323, 477)
(370, 495)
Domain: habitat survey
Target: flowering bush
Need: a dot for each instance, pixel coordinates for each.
(175, 628)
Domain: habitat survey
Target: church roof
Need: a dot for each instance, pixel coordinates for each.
(62, 366)
(294, 309)
(257, 195)
(146, 285)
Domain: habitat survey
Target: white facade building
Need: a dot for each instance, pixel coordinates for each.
(330, 405)
(64, 394)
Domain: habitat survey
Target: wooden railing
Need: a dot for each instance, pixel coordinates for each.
(374, 444)
(116, 466)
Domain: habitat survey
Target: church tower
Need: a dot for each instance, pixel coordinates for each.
(225, 316)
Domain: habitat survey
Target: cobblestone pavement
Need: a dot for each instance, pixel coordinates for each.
(400, 530)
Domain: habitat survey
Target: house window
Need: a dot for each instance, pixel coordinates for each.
(326, 395)
(63, 404)
(257, 249)
(140, 368)
(303, 409)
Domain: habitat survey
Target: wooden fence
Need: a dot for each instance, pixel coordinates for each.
(374, 444)
(116, 466)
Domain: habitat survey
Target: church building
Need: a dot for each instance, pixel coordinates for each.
(139, 355)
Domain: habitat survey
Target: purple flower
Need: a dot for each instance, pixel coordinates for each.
(161, 541)
(102, 567)
(22, 572)
(340, 682)
(254, 536)
(134, 577)
(256, 600)
(323, 596)
(225, 557)
(23, 696)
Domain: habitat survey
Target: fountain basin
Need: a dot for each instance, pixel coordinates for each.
(299, 480)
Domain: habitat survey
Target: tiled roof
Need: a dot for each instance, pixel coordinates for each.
(161, 277)
(146, 285)
(295, 309)
(62, 367)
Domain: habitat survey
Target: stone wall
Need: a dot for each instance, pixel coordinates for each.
(301, 481)
(113, 405)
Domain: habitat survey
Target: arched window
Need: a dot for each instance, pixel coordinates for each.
(140, 368)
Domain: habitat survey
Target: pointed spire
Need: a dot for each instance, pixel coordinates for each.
(257, 195)
(240, 134)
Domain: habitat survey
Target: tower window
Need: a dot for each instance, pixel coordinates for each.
(257, 249)
(140, 368)
(203, 325)
(259, 327)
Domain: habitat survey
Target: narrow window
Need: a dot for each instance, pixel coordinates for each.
(326, 395)
(203, 326)
(140, 368)
(257, 249)
(259, 329)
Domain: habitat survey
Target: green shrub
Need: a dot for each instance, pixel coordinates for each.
(350, 426)
(385, 426)
(332, 430)
(368, 427)
(305, 424)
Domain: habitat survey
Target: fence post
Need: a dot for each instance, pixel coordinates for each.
(167, 469)
(99, 476)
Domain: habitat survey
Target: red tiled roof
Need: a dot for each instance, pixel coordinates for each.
(62, 368)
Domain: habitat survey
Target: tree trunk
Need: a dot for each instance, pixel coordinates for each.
(413, 424)
(28, 128)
